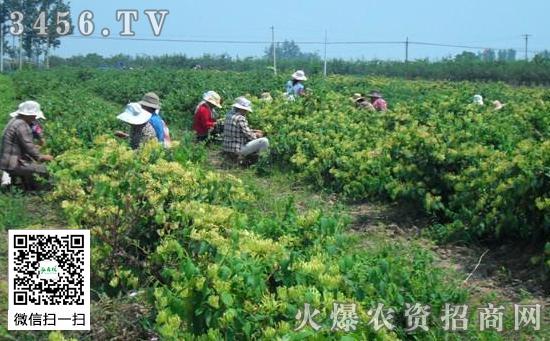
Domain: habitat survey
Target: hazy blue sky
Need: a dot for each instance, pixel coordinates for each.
(490, 23)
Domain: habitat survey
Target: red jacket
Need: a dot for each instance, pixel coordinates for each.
(203, 121)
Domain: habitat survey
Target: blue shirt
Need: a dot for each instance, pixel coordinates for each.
(158, 124)
(230, 113)
(296, 89)
(288, 86)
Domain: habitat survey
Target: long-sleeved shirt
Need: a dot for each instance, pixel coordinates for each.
(380, 104)
(158, 124)
(230, 113)
(203, 120)
(141, 134)
(294, 89)
(17, 144)
(236, 133)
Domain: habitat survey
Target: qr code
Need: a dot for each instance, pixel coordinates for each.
(49, 272)
(48, 269)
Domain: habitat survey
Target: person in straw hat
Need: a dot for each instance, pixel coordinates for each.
(38, 136)
(204, 121)
(238, 138)
(361, 102)
(36, 128)
(151, 103)
(295, 86)
(477, 99)
(141, 129)
(19, 156)
(377, 101)
(266, 97)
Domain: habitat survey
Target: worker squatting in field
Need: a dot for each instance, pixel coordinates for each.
(145, 122)
(21, 159)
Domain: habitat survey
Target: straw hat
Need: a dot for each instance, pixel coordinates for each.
(357, 97)
(29, 108)
(266, 97)
(243, 103)
(375, 94)
(134, 114)
(498, 105)
(213, 98)
(299, 75)
(150, 100)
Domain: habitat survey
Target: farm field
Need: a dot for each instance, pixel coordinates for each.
(186, 247)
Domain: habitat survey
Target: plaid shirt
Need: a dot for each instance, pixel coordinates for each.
(236, 133)
(17, 145)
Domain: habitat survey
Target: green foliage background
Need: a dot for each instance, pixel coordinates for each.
(212, 265)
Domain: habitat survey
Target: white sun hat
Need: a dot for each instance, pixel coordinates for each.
(243, 103)
(134, 114)
(299, 75)
(212, 97)
(478, 99)
(29, 108)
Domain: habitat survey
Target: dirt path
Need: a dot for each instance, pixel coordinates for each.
(35, 212)
(504, 270)
(505, 274)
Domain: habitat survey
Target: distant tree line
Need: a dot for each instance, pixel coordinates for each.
(487, 65)
(39, 22)
(488, 55)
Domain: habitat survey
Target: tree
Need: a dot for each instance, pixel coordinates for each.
(488, 55)
(54, 8)
(502, 55)
(508, 55)
(466, 56)
(34, 44)
(289, 50)
(4, 17)
(542, 57)
(511, 55)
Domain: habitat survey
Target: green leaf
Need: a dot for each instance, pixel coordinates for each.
(227, 299)
(347, 338)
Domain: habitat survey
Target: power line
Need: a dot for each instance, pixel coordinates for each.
(458, 46)
(265, 42)
(2, 47)
(252, 42)
(171, 40)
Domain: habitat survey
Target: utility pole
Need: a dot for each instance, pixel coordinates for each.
(407, 50)
(274, 50)
(325, 64)
(526, 36)
(2, 41)
(21, 52)
(47, 56)
(2, 44)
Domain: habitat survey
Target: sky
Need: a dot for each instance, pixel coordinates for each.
(487, 23)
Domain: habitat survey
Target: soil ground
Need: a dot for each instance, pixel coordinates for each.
(505, 274)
